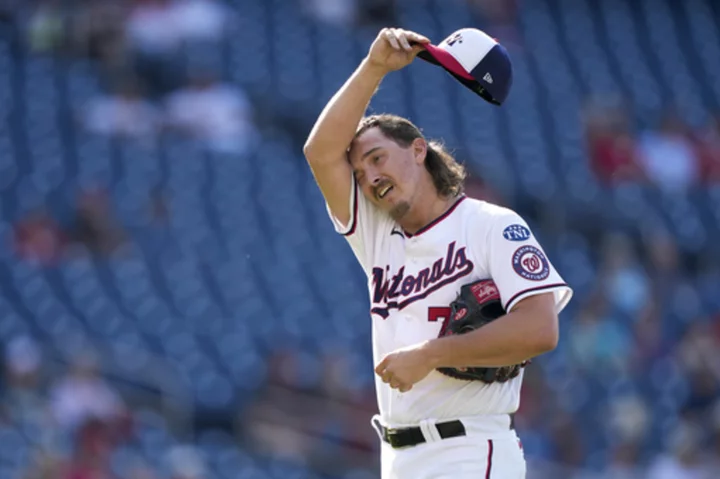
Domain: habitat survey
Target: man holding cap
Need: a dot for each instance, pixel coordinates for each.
(445, 400)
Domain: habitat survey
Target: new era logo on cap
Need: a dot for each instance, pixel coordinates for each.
(475, 59)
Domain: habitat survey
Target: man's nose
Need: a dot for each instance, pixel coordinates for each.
(373, 177)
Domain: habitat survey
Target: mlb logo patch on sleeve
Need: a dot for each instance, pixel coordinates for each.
(485, 291)
(530, 263)
(516, 233)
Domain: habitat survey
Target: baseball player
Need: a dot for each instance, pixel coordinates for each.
(398, 200)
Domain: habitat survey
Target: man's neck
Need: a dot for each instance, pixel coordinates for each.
(425, 212)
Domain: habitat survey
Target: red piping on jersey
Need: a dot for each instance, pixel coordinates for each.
(353, 220)
(532, 290)
(436, 220)
(488, 470)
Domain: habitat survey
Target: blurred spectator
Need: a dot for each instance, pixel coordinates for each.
(600, 343)
(23, 398)
(98, 34)
(342, 13)
(624, 280)
(707, 146)
(682, 459)
(39, 238)
(218, 115)
(699, 349)
(95, 225)
(91, 458)
(648, 338)
(699, 357)
(154, 41)
(566, 438)
(613, 153)
(200, 20)
(628, 420)
(624, 461)
(83, 395)
(151, 27)
(47, 27)
(663, 265)
(46, 464)
(125, 113)
(668, 156)
(185, 462)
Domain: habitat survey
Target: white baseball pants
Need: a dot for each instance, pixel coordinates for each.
(479, 454)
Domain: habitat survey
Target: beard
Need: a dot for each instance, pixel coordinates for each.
(399, 210)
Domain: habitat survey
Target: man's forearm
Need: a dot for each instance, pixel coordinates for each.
(511, 339)
(336, 125)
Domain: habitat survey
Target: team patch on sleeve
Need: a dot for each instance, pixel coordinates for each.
(530, 263)
(516, 233)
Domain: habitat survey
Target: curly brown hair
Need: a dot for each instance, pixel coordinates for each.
(447, 174)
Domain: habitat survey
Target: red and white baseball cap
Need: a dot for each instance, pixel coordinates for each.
(475, 59)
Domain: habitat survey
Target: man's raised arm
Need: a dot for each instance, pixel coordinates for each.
(327, 144)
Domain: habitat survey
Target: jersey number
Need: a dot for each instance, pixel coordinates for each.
(436, 313)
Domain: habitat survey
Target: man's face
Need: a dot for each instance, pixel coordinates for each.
(387, 173)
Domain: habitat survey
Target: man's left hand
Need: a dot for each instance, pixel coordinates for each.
(403, 368)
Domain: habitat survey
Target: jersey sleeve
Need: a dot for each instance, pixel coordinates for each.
(363, 227)
(519, 265)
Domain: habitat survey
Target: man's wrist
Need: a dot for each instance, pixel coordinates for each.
(432, 353)
(373, 69)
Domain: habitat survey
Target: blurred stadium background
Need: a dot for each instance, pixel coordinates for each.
(174, 303)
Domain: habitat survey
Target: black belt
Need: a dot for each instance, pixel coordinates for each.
(412, 436)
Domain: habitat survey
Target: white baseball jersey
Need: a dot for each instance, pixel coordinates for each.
(412, 280)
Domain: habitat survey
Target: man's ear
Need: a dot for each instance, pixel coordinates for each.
(419, 146)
